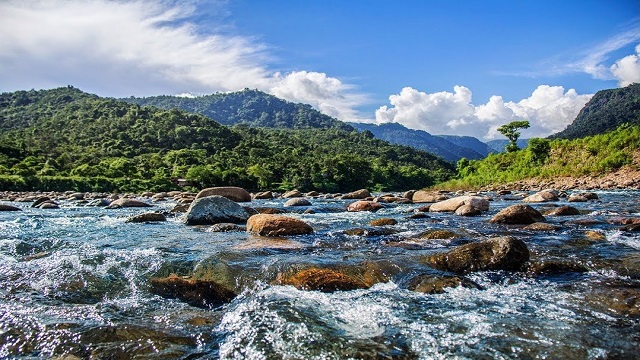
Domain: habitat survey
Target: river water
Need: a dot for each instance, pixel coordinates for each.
(74, 282)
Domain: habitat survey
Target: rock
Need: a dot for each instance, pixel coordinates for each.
(370, 232)
(325, 280)
(226, 227)
(40, 200)
(298, 201)
(234, 193)
(99, 203)
(5, 207)
(501, 253)
(363, 205)
(215, 209)
(418, 215)
(264, 195)
(147, 217)
(312, 194)
(125, 202)
(292, 194)
(430, 284)
(180, 208)
(577, 198)
(595, 235)
(201, 293)
(451, 205)
(590, 195)
(564, 211)
(76, 196)
(542, 196)
(358, 194)
(630, 227)
(518, 214)
(439, 235)
(422, 196)
(48, 205)
(468, 210)
(540, 226)
(409, 194)
(277, 225)
(269, 210)
(383, 222)
(555, 267)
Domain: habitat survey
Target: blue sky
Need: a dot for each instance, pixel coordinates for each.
(447, 67)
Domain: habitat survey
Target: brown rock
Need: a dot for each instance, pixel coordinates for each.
(292, 194)
(501, 253)
(148, 217)
(564, 211)
(540, 226)
(430, 284)
(201, 293)
(468, 210)
(542, 196)
(277, 225)
(125, 202)
(263, 195)
(595, 235)
(325, 280)
(269, 210)
(577, 198)
(451, 205)
(358, 194)
(233, 193)
(422, 196)
(439, 235)
(518, 214)
(363, 205)
(383, 222)
(555, 267)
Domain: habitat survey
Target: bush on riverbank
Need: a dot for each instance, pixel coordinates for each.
(589, 156)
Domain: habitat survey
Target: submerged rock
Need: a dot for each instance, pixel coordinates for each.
(439, 235)
(226, 227)
(277, 225)
(433, 284)
(501, 253)
(540, 226)
(518, 214)
(233, 193)
(215, 209)
(555, 267)
(201, 293)
(147, 217)
(383, 222)
(325, 280)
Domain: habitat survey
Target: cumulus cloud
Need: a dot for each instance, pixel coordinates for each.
(145, 47)
(627, 69)
(549, 109)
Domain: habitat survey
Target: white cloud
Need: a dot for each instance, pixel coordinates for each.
(549, 109)
(145, 47)
(627, 69)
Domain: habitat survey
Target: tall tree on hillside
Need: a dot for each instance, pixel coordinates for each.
(511, 132)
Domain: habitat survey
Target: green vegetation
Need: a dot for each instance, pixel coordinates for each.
(250, 107)
(606, 110)
(64, 139)
(510, 131)
(544, 158)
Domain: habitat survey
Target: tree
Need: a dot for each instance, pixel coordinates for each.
(539, 150)
(511, 132)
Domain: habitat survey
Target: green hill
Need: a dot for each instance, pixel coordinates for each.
(251, 107)
(606, 110)
(64, 139)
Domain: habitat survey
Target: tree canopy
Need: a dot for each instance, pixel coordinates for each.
(510, 131)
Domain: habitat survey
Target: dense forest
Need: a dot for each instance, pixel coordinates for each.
(65, 139)
(606, 110)
(250, 107)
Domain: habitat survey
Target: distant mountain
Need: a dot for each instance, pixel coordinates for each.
(469, 142)
(499, 145)
(607, 110)
(398, 134)
(251, 107)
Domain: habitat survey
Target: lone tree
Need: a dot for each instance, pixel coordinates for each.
(510, 130)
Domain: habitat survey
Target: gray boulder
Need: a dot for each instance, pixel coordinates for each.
(215, 209)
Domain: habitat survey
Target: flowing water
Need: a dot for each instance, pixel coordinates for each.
(75, 281)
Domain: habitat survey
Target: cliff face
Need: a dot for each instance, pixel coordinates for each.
(607, 110)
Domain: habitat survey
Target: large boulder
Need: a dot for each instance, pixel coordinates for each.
(564, 211)
(422, 196)
(234, 193)
(325, 280)
(451, 205)
(126, 202)
(297, 201)
(277, 225)
(215, 209)
(518, 214)
(358, 194)
(542, 196)
(263, 195)
(363, 205)
(501, 253)
(292, 194)
(201, 293)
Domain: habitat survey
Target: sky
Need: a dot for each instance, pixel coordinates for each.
(446, 67)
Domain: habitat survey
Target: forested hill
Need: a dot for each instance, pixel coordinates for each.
(606, 111)
(62, 138)
(251, 107)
